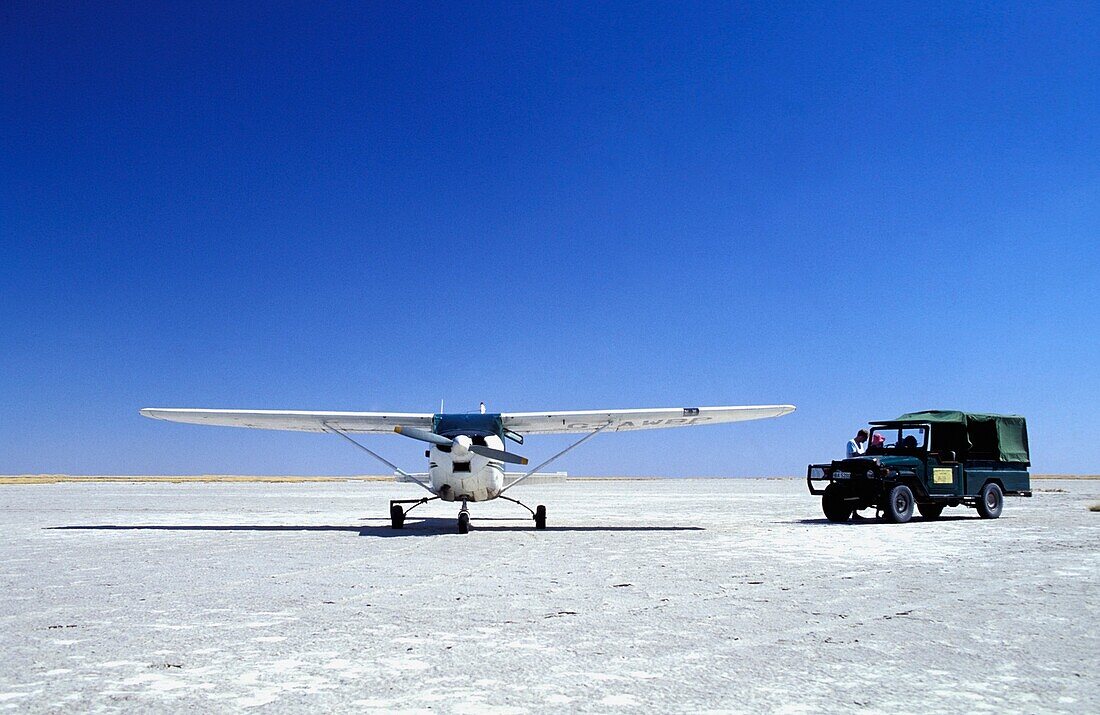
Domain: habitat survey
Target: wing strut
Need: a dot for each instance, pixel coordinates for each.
(380, 458)
(578, 443)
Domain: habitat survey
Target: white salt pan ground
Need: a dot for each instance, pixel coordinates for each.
(643, 596)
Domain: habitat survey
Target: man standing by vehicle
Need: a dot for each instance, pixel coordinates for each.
(855, 447)
(856, 444)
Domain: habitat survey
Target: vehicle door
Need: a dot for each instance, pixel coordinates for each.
(940, 476)
(944, 477)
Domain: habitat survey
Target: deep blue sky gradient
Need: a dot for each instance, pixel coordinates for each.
(860, 210)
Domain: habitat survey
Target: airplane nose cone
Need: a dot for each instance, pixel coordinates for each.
(462, 445)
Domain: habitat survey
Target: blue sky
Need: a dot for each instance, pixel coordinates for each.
(858, 209)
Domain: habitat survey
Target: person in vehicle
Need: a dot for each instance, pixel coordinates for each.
(856, 445)
(910, 442)
(877, 440)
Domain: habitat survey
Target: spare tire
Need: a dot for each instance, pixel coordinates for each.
(930, 511)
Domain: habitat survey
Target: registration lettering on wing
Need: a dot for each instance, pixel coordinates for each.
(641, 424)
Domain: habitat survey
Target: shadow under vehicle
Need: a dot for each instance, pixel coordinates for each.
(929, 460)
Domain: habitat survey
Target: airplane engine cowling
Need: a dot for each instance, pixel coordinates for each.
(460, 448)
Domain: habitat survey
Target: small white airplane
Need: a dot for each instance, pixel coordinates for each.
(467, 456)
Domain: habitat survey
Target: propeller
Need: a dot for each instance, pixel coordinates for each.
(498, 454)
(458, 445)
(423, 435)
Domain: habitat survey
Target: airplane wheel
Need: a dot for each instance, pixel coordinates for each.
(464, 523)
(540, 517)
(397, 516)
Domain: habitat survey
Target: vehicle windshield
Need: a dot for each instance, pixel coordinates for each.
(894, 439)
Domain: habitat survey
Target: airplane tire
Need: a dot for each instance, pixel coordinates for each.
(992, 501)
(898, 508)
(464, 523)
(930, 511)
(540, 517)
(397, 516)
(834, 506)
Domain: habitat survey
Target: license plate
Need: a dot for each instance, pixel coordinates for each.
(842, 475)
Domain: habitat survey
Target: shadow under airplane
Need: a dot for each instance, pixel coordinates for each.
(430, 526)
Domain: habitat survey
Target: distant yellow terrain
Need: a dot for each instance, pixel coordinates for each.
(1065, 476)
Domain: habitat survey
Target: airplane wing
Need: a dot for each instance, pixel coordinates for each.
(300, 421)
(626, 420)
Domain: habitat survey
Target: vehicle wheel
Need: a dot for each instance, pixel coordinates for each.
(540, 517)
(899, 505)
(992, 501)
(834, 505)
(397, 516)
(930, 511)
(464, 523)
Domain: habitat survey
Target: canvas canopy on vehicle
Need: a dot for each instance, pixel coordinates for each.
(976, 436)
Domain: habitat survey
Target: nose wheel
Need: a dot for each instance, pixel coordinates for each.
(464, 520)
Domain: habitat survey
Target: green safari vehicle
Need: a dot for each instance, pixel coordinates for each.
(929, 460)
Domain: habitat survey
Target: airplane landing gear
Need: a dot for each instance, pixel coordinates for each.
(464, 520)
(397, 513)
(538, 514)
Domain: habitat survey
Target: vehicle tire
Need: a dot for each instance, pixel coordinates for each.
(930, 511)
(991, 501)
(833, 504)
(540, 517)
(898, 508)
(464, 523)
(397, 516)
